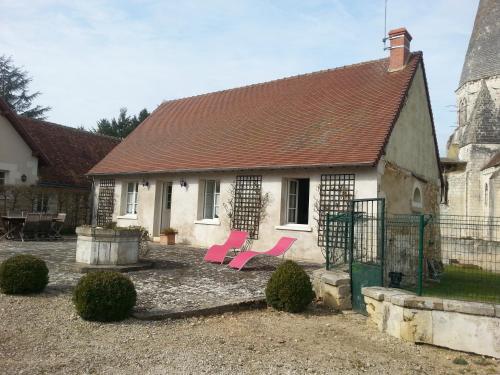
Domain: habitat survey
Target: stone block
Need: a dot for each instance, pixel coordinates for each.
(375, 310)
(497, 311)
(473, 308)
(392, 318)
(333, 287)
(336, 278)
(416, 326)
(469, 333)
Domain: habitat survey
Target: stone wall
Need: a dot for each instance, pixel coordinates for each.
(333, 288)
(465, 326)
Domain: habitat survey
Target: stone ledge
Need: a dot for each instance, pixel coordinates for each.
(472, 308)
(85, 268)
(379, 293)
(409, 300)
(203, 311)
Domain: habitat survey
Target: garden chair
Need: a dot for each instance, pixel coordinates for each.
(279, 249)
(30, 226)
(58, 224)
(217, 253)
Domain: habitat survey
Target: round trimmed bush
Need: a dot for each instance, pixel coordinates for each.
(23, 274)
(289, 288)
(104, 296)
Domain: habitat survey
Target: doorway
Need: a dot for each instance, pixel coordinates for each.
(166, 205)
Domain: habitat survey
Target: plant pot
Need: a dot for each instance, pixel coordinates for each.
(171, 239)
(163, 239)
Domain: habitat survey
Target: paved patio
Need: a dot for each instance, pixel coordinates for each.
(179, 282)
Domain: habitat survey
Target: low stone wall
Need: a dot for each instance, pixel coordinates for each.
(333, 287)
(99, 246)
(459, 325)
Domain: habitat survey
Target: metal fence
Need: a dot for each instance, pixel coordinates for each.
(456, 257)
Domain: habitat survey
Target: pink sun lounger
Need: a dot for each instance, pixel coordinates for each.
(217, 253)
(280, 248)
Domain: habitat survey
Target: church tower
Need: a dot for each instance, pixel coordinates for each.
(470, 168)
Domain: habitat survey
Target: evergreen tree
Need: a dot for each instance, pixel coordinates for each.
(14, 84)
(123, 125)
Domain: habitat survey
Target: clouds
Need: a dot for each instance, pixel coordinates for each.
(89, 58)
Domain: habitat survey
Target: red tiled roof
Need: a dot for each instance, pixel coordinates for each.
(69, 152)
(334, 117)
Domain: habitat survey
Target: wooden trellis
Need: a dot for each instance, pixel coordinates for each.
(247, 204)
(336, 191)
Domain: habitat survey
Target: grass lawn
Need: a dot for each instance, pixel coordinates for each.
(470, 284)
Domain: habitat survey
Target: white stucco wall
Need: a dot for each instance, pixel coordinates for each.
(16, 158)
(193, 231)
(410, 159)
(411, 145)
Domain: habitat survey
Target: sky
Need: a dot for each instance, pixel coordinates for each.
(90, 58)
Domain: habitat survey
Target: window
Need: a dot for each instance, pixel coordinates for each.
(3, 177)
(417, 198)
(132, 193)
(41, 203)
(297, 210)
(211, 199)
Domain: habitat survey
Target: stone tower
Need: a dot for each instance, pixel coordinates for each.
(470, 173)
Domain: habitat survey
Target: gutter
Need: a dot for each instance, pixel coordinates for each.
(233, 169)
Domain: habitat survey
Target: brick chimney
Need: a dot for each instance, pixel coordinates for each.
(400, 48)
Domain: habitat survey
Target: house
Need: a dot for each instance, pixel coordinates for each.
(306, 144)
(43, 165)
(471, 167)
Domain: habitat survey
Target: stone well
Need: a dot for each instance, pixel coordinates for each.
(98, 248)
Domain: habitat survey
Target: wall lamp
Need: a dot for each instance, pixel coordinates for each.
(184, 183)
(145, 183)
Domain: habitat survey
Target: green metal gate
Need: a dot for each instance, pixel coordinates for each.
(366, 247)
(356, 238)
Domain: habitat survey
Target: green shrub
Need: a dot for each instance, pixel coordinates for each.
(289, 288)
(23, 274)
(104, 296)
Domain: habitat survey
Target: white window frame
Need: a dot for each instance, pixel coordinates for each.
(214, 200)
(132, 201)
(292, 220)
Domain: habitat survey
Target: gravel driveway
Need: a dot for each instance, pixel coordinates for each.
(43, 335)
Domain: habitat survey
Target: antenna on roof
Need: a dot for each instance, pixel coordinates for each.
(384, 39)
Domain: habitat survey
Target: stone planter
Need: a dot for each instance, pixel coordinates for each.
(98, 246)
(167, 239)
(171, 239)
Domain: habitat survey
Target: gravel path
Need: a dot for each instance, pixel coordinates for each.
(43, 335)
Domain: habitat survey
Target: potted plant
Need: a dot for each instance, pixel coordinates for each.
(167, 236)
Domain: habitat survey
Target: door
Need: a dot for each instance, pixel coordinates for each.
(366, 247)
(166, 205)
